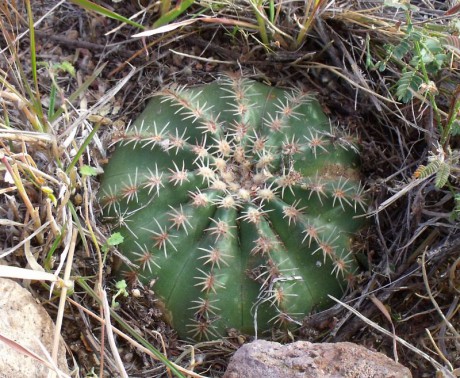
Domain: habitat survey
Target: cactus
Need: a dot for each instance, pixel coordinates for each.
(237, 201)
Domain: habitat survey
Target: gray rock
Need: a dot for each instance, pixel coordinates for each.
(25, 321)
(264, 359)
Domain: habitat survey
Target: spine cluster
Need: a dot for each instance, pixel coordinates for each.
(238, 200)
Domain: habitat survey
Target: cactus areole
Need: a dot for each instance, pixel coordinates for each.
(239, 201)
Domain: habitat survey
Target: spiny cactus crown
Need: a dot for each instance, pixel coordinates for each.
(238, 200)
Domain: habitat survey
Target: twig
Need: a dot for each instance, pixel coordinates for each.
(108, 327)
(62, 299)
(31, 168)
(38, 22)
(436, 364)
(93, 110)
(208, 60)
(35, 233)
(14, 172)
(30, 353)
(134, 343)
(435, 304)
(440, 354)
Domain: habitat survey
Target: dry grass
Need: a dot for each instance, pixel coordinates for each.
(50, 222)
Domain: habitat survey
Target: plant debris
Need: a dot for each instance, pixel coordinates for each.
(385, 71)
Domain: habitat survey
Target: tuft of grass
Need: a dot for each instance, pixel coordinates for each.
(93, 7)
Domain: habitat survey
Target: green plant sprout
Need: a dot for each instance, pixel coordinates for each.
(424, 54)
(53, 69)
(115, 239)
(121, 286)
(237, 201)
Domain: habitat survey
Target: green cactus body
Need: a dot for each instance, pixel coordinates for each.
(238, 200)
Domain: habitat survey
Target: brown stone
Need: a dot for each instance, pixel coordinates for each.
(264, 359)
(27, 323)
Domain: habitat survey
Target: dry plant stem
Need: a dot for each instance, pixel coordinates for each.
(425, 101)
(10, 223)
(412, 184)
(63, 297)
(207, 60)
(435, 304)
(21, 105)
(100, 264)
(160, 337)
(8, 190)
(440, 354)
(385, 312)
(368, 290)
(192, 357)
(27, 136)
(19, 245)
(138, 53)
(55, 229)
(337, 71)
(131, 341)
(34, 170)
(94, 109)
(31, 259)
(308, 19)
(452, 270)
(66, 239)
(75, 44)
(36, 23)
(108, 326)
(24, 350)
(14, 172)
(28, 274)
(203, 344)
(55, 368)
(436, 364)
